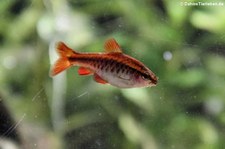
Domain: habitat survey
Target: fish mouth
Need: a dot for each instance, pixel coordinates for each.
(152, 84)
(154, 81)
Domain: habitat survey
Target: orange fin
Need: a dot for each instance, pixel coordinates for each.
(60, 65)
(63, 62)
(84, 71)
(98, 79)
(112, 46)
(63, 50)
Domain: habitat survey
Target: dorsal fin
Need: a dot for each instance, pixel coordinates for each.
(112, 46)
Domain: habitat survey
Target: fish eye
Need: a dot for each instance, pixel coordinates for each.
(145, 77)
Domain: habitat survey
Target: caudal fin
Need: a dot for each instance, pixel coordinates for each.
(63, 62)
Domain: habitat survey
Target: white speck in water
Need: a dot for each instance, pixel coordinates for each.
(9, 62)
(167, 55)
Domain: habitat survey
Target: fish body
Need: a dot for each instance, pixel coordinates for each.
(112, 66)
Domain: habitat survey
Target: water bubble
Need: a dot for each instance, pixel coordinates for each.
(167, 55)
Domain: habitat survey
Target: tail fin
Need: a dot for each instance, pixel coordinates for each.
(63, 62)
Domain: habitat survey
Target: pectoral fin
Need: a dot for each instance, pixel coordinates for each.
(98, 79)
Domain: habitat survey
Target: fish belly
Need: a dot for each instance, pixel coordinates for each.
(118, 80)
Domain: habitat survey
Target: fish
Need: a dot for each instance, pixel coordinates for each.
(109, 67)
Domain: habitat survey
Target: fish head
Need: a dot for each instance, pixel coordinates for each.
(146, 79)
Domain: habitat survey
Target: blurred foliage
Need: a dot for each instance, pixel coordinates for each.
(183, 45)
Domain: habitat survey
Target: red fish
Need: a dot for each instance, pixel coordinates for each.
(112, 66)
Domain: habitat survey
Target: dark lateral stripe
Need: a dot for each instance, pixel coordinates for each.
(106, 63)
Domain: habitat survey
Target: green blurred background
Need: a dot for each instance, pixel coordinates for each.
(183, 45)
